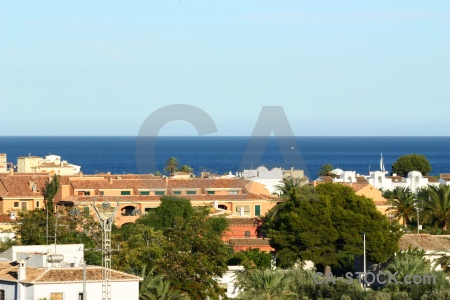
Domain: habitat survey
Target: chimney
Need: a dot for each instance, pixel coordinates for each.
(21, 271)
(110, 180)
(167, 181)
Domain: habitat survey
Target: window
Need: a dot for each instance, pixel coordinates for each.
(191, 192)
(159, 193)
(16, 204)
(125, 193)
(80, 296)
(177, 192)
(56, 296)
(233, 192)
(37, 204)
(211, 192)
(144, 193)
(102, 193)
(257, 210)
(86, 210)
(2, 294)
(24, 205)
(87, 193)
(150, 209)
(243, 210)
(247, 234)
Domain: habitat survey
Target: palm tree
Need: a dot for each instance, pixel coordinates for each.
(403, 206)
(444, 262)
(186, 169)
(265, 284)
(289, 187)
(326, 169)
(155, 287)
(436, 205)
(171, 165)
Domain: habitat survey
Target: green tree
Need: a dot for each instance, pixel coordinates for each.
(171, 165)
(49, 192)
(413, 263)
(31, 229)
(326, 170)
(326, 220)
(403, 205)
(252, 259)
(411, 162)
(436, 205)
(189, 253)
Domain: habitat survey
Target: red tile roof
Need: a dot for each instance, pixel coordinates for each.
(242, 221)
(19, 185)
(425, 242)
(249, 242)
(8, 272)
(119, 184)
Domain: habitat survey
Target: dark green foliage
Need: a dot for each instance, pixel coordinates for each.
(173, 213)
(411, 162)
(251, 259)
(326, 169)
(322, 222)
(49, 192)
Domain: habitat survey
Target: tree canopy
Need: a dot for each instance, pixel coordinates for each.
(411, 162)
(180, 243)
(321, 222)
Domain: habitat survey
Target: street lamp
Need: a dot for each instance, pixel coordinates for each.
(364, 260)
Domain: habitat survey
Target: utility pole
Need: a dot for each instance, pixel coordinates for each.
(106, 215)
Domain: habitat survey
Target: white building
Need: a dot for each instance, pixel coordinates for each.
(272, 178)
(50, 164)
(414, 181)
(38, 275)
(228, 281)
(3, 163)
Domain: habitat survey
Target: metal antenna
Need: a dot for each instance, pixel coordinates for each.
(106, 215)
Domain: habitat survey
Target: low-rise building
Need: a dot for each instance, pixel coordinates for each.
(57, 272)
(138, 194)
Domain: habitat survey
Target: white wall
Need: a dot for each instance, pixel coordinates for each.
(119, 290)
(9, 288)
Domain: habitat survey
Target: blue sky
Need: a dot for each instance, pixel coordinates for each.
(336, 67)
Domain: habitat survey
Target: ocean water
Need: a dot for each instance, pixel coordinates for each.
(220, 155)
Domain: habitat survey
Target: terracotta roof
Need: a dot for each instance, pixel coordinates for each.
(19, 185)
(326, 179)
(242, 221)
(361, 179)
(5, 219)
(213, 183)
(445, 176)
(395, 178)
(119, 184)
(431, 179)
(8, 272)
(249, 242)
(425, 242)
(137, 198)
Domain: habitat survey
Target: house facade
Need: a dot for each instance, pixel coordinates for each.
(138, 194)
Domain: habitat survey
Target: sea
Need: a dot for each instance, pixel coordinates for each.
(222, 155)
